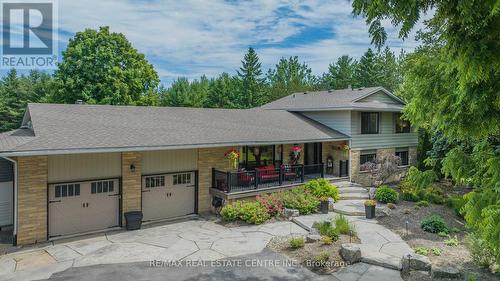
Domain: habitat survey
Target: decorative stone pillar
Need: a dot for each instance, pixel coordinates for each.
(131, 182)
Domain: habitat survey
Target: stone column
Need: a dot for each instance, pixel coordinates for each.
(32, 199)
(412, 155)
(354, 165)
(131, 182)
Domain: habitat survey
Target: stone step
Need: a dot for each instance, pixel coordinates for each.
(342, 184)
(352, 190)
(354, 195)
(350, 207)
(383, 260)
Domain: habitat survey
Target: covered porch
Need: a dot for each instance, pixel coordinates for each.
(276, 167)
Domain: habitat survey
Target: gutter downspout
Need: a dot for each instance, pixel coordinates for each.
(15, 198)
(350, 162)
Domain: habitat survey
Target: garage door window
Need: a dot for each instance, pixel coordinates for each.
(67, 190)
(155, 181)
(182, 178)
(102, 187)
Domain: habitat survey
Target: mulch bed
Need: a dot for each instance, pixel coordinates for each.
(305, 255)
(455, 256)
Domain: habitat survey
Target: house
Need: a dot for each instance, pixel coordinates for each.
(74, 169)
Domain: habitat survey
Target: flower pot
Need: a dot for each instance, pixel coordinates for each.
(370, 212)
(323, 207)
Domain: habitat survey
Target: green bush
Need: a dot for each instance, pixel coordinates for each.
(322, 188)
(327, 240)
(300, 199)
(434, 224)
(254, 213)
(250, 212)
(321, 260)
(436, 251)
(422, 251)
(456, 203)
(451, 241)
(326, 229)
(410, 196)
(481, 254)
(419, 179)
(434, 198)
(296, 243)
(343, 226)
(386, 194)
(423, 203)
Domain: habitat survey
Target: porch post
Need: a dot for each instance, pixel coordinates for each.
(322, 170)
(303, 172)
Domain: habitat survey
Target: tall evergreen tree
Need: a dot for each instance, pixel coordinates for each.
(390, 70)
(368, 71)
(223, 92)
(251, 80)
(341, 74)
(290, 76)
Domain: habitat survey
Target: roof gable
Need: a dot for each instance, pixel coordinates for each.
(381, 97)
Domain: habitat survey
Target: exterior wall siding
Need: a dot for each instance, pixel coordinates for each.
(76, 167)
(379, 97)
(338, 120)
(157, 162)
(131, 182)
(32, 199)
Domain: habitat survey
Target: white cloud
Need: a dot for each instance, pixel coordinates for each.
(192, 37)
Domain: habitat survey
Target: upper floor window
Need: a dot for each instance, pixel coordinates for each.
(369, 122)
(402, 126)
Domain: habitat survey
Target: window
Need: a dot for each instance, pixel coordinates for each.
(402, 126)
(182, 178)
(403, 155)
(155, 181)
(369, 122)
(67, 190)
(364, 158)
(102, 187)
(257, 156)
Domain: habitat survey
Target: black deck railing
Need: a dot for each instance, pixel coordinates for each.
(261, 178)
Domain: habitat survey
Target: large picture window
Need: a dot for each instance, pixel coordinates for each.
(369, 122)
(257, 156)
(402, 126)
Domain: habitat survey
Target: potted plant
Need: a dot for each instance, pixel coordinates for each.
(370, 209)
(295, 154)
(324, 203)
(232, 155)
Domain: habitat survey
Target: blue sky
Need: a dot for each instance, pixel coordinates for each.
(193, 37)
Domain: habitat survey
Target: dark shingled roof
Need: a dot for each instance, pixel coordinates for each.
(64, 127)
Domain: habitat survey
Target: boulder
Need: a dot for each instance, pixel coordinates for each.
(419, 275)
(411, 262)
(289, 213)
(382, 211)
(445, 272)
(350, 252)
(311, 238)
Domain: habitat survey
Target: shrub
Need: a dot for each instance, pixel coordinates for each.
(434, 224)
(419, 179)
(272, 202)
(391, 206)
(370, 203)
(423, 203)
(343, 226)
(296, 243)
(321, 260)
(326, 240)
(422, 251)
(322, 188)
(326, 229)
(300, 199)
(231, 212)
(456, 203)
(452, 241)
(410, 196)
(386, 194)
(436, 251)
(455, 230)
(434, 198)
(442, 234)
(481, 255)
(254, 213)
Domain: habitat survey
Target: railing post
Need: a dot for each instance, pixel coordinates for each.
(322, 170)
(303, 172)
(256, 179)
(281, 176)
(213, 178)
(228, 181)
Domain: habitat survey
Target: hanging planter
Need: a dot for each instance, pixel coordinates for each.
(295, 154)
(345, 149)
(233, 156)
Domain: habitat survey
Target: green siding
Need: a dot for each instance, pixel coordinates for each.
(338, 120)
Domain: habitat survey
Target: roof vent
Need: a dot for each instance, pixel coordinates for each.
(79, 102)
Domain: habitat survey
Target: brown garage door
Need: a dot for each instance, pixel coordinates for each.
(83, 206)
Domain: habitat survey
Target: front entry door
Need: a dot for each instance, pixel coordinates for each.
(312, 153)
(168, 196)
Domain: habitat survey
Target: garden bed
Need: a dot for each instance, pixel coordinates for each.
(306, 256)
(458, 256)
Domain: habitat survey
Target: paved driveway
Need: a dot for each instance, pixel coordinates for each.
(190, 240)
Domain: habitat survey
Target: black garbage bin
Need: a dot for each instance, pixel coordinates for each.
(133, 220)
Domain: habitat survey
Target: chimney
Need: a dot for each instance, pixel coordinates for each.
(79, 102)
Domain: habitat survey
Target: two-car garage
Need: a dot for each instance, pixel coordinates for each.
(84, 191)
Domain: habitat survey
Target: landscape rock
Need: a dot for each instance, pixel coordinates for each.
(445, 272)
(311, 238)
(371, 192)
(330, 204)
(290, 213)
(415, 262)
(382, 211)
(419, 275)
(350, 252)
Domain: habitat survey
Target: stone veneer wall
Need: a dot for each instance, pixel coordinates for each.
(332, 149)
(209, 158)
(32, 199)
(131, 182)
(412, 156)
